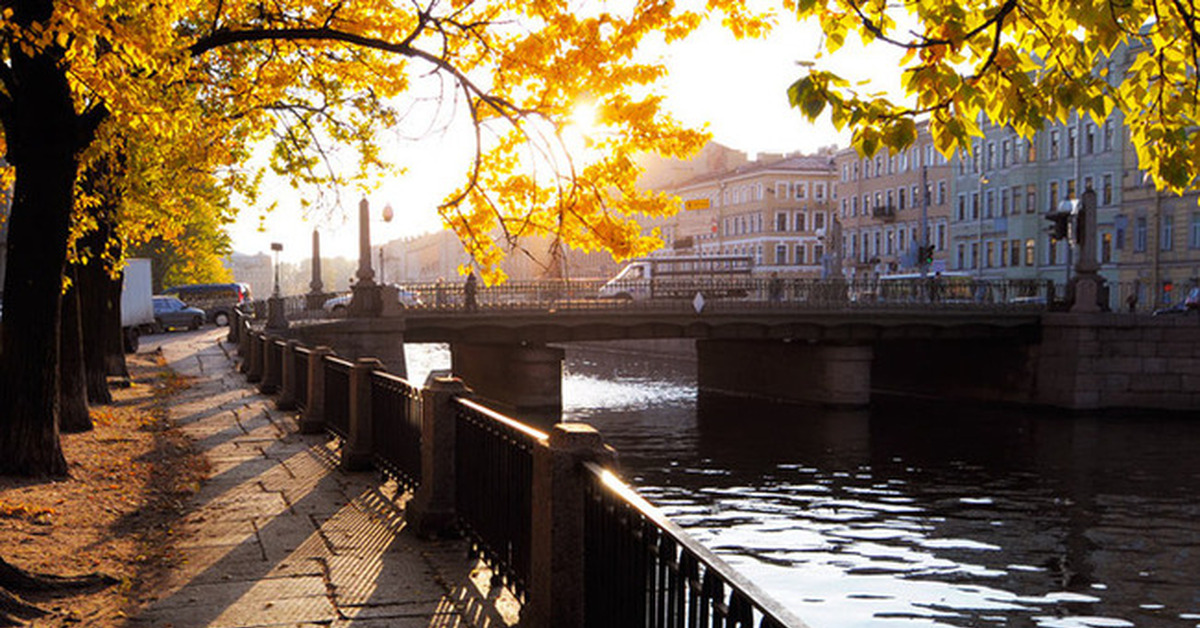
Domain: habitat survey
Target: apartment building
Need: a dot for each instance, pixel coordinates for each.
(884, 214)
(1157, 239)
(776, 209)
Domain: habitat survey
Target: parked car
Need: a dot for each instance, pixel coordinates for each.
(216, 299)
(1190, 303)
(170, 313)
(337, 305)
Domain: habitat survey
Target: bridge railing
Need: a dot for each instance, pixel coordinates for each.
(730, 294)
(300, 357)
(532, 503)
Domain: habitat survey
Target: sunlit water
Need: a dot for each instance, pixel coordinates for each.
(910, 516)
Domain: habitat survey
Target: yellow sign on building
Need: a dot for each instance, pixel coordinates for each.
(697, 203)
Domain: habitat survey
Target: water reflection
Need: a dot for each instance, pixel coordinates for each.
(914, 514)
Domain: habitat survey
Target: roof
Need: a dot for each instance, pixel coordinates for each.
(792, 163)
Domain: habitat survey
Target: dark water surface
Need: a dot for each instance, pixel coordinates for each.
(906, 515)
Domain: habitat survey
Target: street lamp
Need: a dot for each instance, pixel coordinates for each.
(983, 180)
(276, 319)
(276, 247)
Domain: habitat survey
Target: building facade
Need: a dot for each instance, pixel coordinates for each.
(885, 216)
(777, 210)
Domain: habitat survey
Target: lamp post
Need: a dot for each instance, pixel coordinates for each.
(983, 181)
(276, 319)
(365, 301)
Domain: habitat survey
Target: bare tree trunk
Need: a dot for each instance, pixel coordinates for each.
(73, 408)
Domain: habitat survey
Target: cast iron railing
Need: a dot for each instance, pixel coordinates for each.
(300, 357)
(738, 294)
(494, 487)
(337, 396)
(642, 570)
(396, 428)
(276, 350)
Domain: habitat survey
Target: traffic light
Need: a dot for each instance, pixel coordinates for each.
(1058, 226)
(925, 255)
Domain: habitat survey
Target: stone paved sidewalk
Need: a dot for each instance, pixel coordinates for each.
(280, 537)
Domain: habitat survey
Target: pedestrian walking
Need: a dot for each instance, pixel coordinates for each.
(469, 290)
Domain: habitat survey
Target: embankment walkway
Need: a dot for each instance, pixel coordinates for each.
(279, 536)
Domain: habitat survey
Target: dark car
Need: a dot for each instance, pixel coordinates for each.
(1190, 303)
(216, 299)
(170, 312)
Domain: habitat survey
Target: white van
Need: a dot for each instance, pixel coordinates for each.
(680, 277)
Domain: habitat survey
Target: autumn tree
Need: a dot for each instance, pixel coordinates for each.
(1018, 64)
(319, 81)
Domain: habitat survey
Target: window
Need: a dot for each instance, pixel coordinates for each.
(941, 193)
(802, 190)
(962, 208)
(1106, 242)
(892, 164)
(901, 198)
(989, 202)
(1053, 144)
(1029, 250)
(1004, 146)
(1108, 135)
(1004, 202)
(941, 237)
(1030, 198)
(1168, 232)
(800, 253)
(818, 253)
(1139, 234)
(974, 255)
(1014, 251)
(1106, 192)
(866, 168)
(781, 188)
(929, 154)
(819, 191)
(1052, 195)
(1194, 231)
(890, 238)
(1016, 199)
(960, 257)
(1071, 189)
(1089, 138)
(975, 206)
(853, 207)
(1031, 150)
(780, 254)
(991, 156)
(989, 248)
(819, 220)
(798, 221)
(1070, 141)
(1052, 252)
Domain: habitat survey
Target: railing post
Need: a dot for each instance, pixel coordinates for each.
(243, 339)
(287, 380)
(254, 371)
(235, 321)
(270, 368)
(313, 419)
(356, 451)
(556, 593)
(431, 511)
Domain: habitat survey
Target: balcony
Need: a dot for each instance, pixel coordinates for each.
(886, 213)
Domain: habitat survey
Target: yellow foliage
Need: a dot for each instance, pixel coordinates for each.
(1020, 64)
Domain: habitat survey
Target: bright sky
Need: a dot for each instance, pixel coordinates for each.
(737, 88)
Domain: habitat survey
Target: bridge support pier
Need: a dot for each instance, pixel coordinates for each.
(523, 380)
(362, 338)
(798, 371)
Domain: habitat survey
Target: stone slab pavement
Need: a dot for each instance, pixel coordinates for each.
(278, 536)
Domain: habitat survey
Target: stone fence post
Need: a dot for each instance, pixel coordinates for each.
(287, 381)
(271, 368)
(243, 339)
(313, 419)
(356, 451)
(235, 326)
(431, 511)
(556, 587)
(254, 371)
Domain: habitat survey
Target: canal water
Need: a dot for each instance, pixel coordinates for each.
(910, 515)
